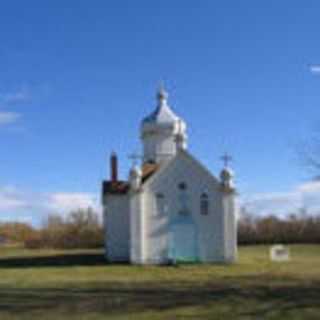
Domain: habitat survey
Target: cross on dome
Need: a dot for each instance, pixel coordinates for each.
(162, 94)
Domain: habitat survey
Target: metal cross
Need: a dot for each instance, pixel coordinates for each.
(226, 158)
(135, 157)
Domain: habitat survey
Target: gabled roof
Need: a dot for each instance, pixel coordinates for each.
(186, 154)
(148, 169)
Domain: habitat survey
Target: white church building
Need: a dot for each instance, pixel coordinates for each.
(172, 208)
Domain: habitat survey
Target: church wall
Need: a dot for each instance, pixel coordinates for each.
(230, 227)
(116, 221)
(155, 231)
(137, 227)
(209, 227)
(157, 147)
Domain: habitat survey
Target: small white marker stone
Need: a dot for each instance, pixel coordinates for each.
(279, 253)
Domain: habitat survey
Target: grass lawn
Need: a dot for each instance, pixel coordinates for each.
(51, 284)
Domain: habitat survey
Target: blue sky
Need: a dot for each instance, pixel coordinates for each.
(77, 77)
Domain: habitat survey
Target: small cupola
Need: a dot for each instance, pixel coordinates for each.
(135, 178)
(227, 174)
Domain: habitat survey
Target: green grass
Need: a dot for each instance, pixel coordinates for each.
(51, 284)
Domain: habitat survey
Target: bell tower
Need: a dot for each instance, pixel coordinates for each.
(162, 132)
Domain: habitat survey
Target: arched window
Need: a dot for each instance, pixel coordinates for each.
(183, 198)
(160, 204)
(204, 204)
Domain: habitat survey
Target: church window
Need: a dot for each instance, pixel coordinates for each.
(160, 204)
(182, 186)
(183, 198)
(204, 204)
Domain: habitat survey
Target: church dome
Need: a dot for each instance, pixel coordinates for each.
(163, 114)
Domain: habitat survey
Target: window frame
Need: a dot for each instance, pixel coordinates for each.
(204, 204)
(160, 204)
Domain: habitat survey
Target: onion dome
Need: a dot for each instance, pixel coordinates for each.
(226, 174)
(162, 117)
(163, 113)
(135, 171)
(226, 178)
(135, 176)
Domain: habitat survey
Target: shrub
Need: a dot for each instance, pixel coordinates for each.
(79, 229)
(16, 231)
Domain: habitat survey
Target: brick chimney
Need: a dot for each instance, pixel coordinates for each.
(114, 167)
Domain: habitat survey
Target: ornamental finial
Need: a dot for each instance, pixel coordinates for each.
(162, 94)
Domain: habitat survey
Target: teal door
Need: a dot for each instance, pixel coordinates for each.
(183, 239)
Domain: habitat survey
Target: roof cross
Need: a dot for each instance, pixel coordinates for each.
(226, 158)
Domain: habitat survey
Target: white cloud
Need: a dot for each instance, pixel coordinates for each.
(306, 195)
(35, 206)
(12, 98)
(310, 187)
(10, 199)
(70, 201)
(315, 68)
(8, 117)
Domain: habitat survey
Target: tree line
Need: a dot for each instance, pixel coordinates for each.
(269, 229)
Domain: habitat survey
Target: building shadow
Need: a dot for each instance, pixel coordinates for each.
(58, 260)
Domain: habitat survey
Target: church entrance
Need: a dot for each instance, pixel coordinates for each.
(183, 239)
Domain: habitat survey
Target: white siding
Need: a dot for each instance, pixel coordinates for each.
(210, 228)
(156, 230)
(116, 220)
(158, 147)
(230, 228)
(137, 228)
